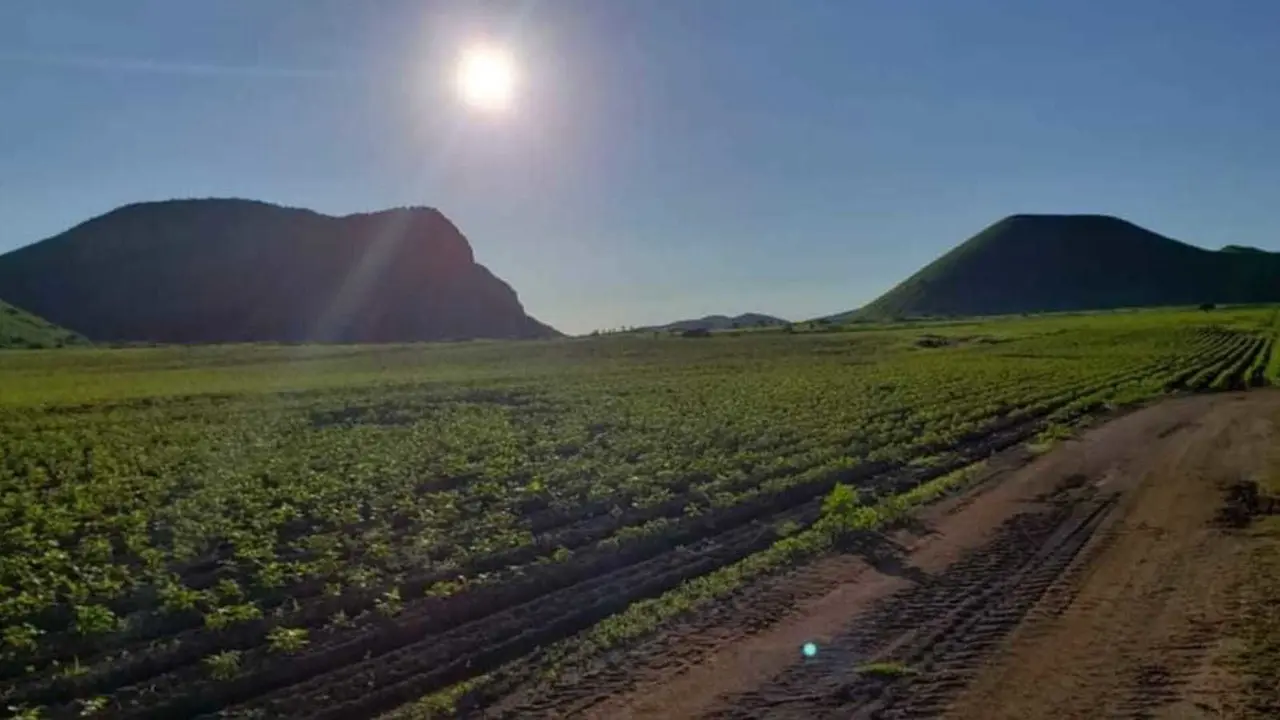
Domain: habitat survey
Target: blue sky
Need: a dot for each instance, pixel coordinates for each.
(665, 158)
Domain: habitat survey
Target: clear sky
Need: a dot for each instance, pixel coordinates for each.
(663, 158)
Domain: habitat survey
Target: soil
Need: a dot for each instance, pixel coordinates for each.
(1109, 577)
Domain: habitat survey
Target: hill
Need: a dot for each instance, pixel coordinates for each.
(238, 270)
(1044, 263)
(723, 322)
(21, 329)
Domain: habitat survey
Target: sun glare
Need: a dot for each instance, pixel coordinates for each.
(486, 78)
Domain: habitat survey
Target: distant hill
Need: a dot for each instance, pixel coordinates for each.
(21, 329)
(723, 322)
(1044, 263)
(238, 270)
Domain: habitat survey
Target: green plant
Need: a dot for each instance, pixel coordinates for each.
(286, 640)
(228, 591)
(94, 705)
(1051, 436)
(389, 604)
(22, 636)
(443, 588)
(95, 620)
(223, 617)
(885, 669)
(786, 528)
(176, 597)
(223, 665)
(70, 669)
(339, 620)
(842, 511)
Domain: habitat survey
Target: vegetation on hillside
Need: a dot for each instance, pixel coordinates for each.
(203, 271)
(724, 322)
(411, 521)
(21, 329)
(1050, 263)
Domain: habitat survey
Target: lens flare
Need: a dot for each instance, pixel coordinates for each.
(809, 649)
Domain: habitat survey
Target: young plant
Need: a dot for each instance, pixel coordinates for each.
(176, 597)
(339, 620)
(94, 705)
(228, 590)
(886, 669)
(21, 637)
(390, 603)
(843, 513)
(286, 640)
(224, 665)
(224, 617)
(95, 620)
(71, 669)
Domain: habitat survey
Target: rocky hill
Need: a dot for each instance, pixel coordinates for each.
(203, 271)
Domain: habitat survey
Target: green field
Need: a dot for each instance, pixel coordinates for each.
(405, 523)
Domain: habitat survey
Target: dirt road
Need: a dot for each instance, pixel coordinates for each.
(1097, 580)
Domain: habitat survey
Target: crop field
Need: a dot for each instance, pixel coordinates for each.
(352, 531)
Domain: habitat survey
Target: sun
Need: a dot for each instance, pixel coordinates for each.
(486, 78)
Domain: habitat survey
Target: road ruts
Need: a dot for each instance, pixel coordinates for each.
(937, 631)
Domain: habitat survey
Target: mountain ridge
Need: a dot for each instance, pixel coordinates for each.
(235, 270)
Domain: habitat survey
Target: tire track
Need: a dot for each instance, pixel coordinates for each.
(1151, 627)
(936, 632)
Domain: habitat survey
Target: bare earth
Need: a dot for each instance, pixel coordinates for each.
(1095, 581)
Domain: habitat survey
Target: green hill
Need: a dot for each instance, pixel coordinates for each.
(723, 322)
(1047, 263)
(239, 271)
(21, 329)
